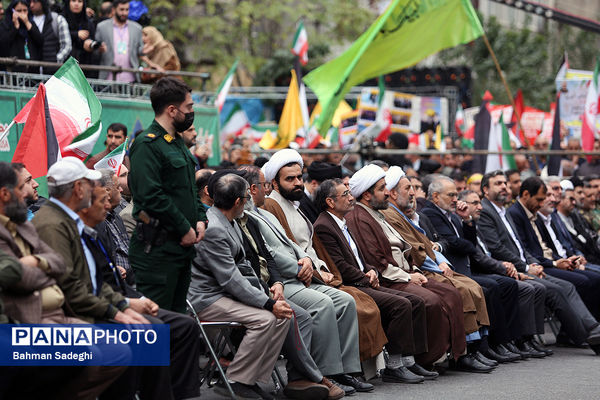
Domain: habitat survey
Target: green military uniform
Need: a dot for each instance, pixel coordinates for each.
(162, 183)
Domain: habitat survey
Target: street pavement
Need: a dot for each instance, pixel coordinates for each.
(572, 374)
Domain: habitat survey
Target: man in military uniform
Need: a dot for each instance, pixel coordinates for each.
(164, 194)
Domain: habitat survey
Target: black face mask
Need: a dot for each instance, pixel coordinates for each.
(181, 126)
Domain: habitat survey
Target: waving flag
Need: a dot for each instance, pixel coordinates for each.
(300, 45)
(407, 32)
(224, 87)
(588, 129)
(114, 159)
(38, 147)
(73, 108)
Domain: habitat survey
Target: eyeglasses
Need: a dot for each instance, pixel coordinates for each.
(265, 185)
(345, 193)
(453, 194)
(474, 203)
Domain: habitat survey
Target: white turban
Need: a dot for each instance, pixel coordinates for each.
(364, 178)
(567, 185)
(393, 176)
(278, 160)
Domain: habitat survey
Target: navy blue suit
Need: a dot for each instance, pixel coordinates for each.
(586, 282)
(501, 292)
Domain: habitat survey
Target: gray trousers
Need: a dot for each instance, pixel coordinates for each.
(562, 298)
(258, 352)
(334, 345)
(296, 347)
(532, 296)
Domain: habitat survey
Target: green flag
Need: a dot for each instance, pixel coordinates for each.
(509, 159)
(406, 32)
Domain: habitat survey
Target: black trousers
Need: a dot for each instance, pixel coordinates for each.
(177, 381)
(502, 300)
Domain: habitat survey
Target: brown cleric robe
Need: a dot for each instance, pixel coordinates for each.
(371, 334)
(445, 323)
(474, 306)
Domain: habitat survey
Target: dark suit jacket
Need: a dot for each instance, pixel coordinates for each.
(460, 247)
(526, 234)
(548, 239)
(308, 208)
(563, 235)
(430, 232)
(497, 238)
(339, 249)
(481, 263)
(59, 230)
(21, 301)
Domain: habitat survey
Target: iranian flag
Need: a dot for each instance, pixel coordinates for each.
(73, 108)
(235, 124)
(300, 45)
(114, 159)
(499, 140)
(224, 87)
(588, 128)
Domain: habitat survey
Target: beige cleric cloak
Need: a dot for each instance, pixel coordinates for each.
(371, 335)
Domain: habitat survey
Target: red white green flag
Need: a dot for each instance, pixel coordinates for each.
(588, 129)
(300, 45)
(114, 159)
(224, 87)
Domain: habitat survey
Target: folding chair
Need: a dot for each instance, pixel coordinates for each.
(216, 348)
(550, 318)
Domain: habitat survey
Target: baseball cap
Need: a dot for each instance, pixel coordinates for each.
(70, 169)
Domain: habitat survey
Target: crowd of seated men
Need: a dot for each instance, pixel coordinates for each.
(346, 276)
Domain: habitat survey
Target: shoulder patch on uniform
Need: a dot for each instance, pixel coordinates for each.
(168, 138)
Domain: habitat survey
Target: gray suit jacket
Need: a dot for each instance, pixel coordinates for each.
(285, 252)
(216, 266)
(497, 238)
(104, 33)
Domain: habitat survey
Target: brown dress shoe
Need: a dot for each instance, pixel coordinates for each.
(335, 392)
(305, 389)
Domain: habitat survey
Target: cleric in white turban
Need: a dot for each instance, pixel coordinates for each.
(364, 178)
(279, 160)
(393, 176)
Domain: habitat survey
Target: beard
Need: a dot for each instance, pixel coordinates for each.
(122, 18)
(500, 197)
(378, 204)
(293, 195)
(16, 210)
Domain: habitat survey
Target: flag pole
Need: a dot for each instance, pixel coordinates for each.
(508, 92)
(7, 130)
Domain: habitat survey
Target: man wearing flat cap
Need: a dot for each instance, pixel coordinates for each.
(284, 170)
(318, 171)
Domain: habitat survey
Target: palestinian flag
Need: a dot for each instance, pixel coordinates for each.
(224, 87)
(114, 159)
(300, 45)
(38, 147)
(73, 108)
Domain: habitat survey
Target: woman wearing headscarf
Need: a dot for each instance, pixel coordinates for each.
(19, 36)
(82, 31)
(159, 54)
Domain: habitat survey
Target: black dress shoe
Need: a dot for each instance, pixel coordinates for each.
(484, 360)
(596, 348)
(400, 375)
(490, 354)
(534, 353)
(540, 347)
(348, 390)
(418, 370)
(503, 351)
(262, 393)
(241, 391)
(512, 348)
(351, 381)
(469, 363)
